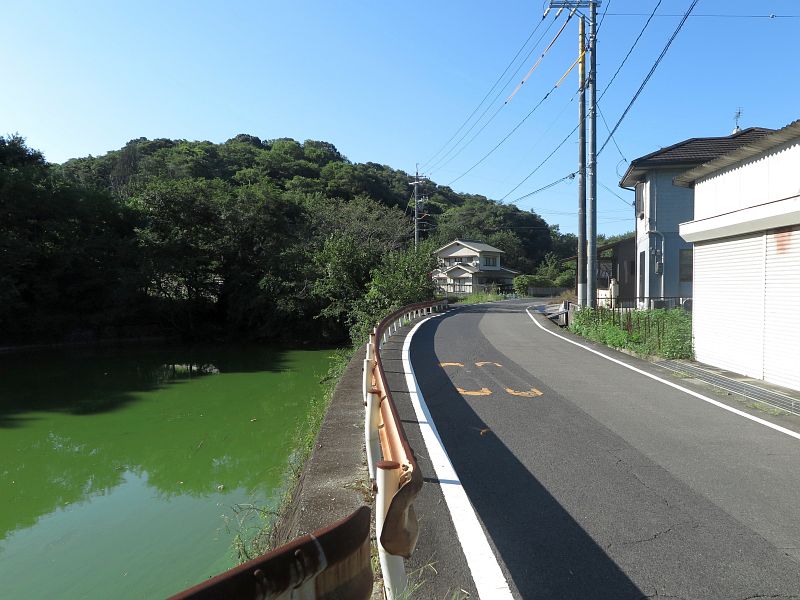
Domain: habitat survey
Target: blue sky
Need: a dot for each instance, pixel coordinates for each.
(390, 82)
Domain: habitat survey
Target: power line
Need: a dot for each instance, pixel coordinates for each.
(439, 163)
(546, 187)
(615, 193)
(472, 114)
(624, 60)
(619, 68)
(613, 139)
(518, 125)
(526, 117)
(650, 74)
(603, 16)
(539, 166)
(715, 16)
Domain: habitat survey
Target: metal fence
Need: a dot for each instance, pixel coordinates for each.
(604, 300)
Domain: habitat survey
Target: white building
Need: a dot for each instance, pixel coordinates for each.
(746, 235)
(467, 266)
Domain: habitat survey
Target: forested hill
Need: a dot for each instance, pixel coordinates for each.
(261, 239)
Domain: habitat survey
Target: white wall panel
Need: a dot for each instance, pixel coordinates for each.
(728, 304)
(782, 308)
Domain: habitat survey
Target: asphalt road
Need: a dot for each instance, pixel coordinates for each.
(593, 481)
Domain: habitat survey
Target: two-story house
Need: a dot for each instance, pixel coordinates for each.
(467, 266)
(663, 259)
(746, 235)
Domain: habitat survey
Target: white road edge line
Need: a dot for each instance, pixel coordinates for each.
(484, 568)
(716, 403)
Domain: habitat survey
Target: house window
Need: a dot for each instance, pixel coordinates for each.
(490, 261)
(685, 266)
(640, 200)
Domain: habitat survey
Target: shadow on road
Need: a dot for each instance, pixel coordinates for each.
(548, 553)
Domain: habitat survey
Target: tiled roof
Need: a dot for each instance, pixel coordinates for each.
(473, 245)
(694, 151)
(754, 148)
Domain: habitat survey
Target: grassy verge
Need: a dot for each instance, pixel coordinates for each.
(252, 540)
(478, 297)
(659, 332)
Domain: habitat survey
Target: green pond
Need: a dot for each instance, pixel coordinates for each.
(127, 472)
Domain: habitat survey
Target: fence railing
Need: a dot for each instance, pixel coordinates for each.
(604, 300)
(390, 458)
(330, 563)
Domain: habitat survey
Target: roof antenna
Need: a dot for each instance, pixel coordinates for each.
(736, 118)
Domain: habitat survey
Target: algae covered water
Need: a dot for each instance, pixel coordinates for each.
(127, 473)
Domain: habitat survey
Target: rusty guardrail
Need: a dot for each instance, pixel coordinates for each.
(331, 563)
(390, 458)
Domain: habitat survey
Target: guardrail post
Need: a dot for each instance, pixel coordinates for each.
(393, 567)
(372, 417)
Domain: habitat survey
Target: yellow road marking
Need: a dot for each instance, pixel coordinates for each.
(487, 362)
(451, 364)
(480, 392)
(532, 394)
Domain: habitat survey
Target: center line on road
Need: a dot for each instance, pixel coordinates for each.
(489, 580)
(716, 403)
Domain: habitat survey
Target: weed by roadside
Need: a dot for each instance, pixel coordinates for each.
(657, 332)
(478, 297)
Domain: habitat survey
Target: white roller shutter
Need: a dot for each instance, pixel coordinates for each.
(728, 303)
(782, 308)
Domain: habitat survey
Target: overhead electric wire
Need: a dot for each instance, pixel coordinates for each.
(472, 114)
(603, 16)
(615, 193)
(540, 165)
(439, 162)
(539, 60)
(442, 162)
(624, 60)
(649, 74)
(716, 16)
(548, 186)
(518, 125)
(613, 139)
(605, 89)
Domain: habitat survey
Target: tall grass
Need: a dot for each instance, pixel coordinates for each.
(657, 332)
(478, 297)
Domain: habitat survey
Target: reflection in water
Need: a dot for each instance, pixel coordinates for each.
(195, 424)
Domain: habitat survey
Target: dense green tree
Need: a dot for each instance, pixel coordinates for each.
(269, 239)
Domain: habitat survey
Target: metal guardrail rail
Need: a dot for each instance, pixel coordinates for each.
(328, 564)
(390, 458)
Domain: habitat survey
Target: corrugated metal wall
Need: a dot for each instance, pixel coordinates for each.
(782, 308)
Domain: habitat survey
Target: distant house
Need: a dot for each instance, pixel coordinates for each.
(663, 259)
(467, 266)
(746, 235)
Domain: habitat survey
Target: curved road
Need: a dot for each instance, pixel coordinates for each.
(591, 480)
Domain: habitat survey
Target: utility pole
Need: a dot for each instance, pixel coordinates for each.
(416, 183)
(591, 254)
(587, 240)
(582, 164)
